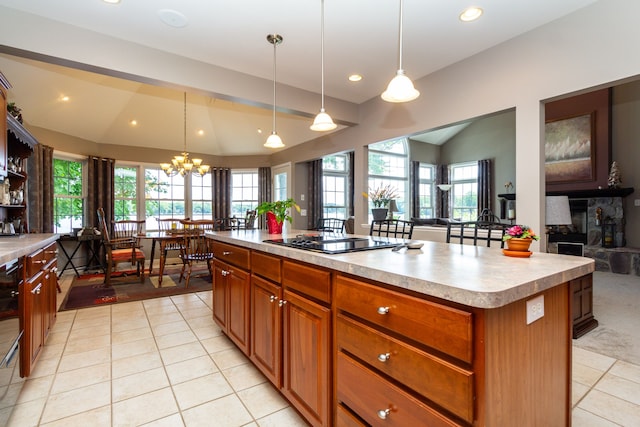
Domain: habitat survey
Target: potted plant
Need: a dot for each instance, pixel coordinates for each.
(277, 212)
(380, 198)
(519, 237)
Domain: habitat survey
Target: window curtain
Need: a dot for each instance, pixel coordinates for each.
(484, 185)
(221, 192)
(351, 185)
(414, 188)
(100, 190)
(264, 191)
(315, 190)
(442, 199)
(40, 190)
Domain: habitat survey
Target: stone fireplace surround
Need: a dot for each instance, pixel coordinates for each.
(619, 259)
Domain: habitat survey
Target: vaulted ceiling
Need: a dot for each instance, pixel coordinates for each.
(229, 37)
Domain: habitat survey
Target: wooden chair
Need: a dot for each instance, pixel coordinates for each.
(335, 225)
(122, 246)
(204, 224)
(169, 226)
(196, 247)
(397, 228)
(249, 220)
(476, 231)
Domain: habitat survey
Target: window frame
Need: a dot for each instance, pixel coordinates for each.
(68, 157)
(336, 210)
(468, 212)
(400, 182)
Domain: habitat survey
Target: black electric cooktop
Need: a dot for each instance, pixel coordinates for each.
(335, 244)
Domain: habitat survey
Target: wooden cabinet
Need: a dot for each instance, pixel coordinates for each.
(266, 328)
(582, 306)
(38, 304)
(231, 302)
(4, 86)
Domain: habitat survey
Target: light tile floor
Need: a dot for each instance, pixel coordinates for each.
(164, 362)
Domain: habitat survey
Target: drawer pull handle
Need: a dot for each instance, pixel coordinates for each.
(37, 289)
(383, 310)
(384, 413)
(272, 298)
(281, 303)
(225, 273)
(383, 357)
(225, 253)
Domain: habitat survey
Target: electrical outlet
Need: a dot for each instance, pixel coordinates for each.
(302, 197)
(303, 212)
(636, 202)
(535, 309)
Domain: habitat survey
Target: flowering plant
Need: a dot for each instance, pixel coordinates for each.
(381, 196)
(520, 232)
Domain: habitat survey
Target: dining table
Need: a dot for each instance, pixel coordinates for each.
(164, 238)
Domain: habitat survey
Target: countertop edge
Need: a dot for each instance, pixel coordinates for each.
(521, 284)
(23, 244)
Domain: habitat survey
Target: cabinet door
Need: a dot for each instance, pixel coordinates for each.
(34, 338)
(266, 320)
(219, 295)
(3, 132)
(238, 292)
(306, 347)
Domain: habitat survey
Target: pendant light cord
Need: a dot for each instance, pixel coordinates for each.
(322, 52)
(274, 86)
(185, 122)
(400, 39)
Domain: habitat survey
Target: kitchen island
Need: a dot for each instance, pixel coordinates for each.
(451, 335)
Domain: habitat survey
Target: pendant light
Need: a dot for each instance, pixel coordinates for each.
(323, 121)
(274, 141)
(182, 164)
(400, 88)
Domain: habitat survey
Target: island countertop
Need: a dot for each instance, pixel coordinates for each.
(475, 276)
(12, 247)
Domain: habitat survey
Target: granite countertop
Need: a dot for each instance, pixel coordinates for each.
(471, 275)
(12, 247)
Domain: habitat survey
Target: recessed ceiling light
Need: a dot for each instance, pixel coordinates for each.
(64, 98)
(259, 130)
(173, 18)
(471, 14)
(200, 132)
(133, 122)
(111, 1)
(355, 77)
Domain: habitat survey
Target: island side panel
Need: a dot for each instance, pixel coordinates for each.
(528, 367)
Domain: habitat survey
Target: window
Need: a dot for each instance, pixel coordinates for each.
(244, 189)
(464, 191)
(201, 197)
(164, 196)
(426, 190)
(68, 203)
(335, 178)
(125, 193)
(388, 165)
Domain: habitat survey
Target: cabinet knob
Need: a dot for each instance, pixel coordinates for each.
(384, 413)
(224, 272)
(37, 289)
(281, 303)
(383, 357)
(226, 253)
(14, 294)
(272, 298)
(383, 310)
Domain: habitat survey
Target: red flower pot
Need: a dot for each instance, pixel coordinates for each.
(273, 225)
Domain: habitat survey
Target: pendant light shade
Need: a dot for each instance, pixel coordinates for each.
(323, 121)
(274, 141)
(400, 88)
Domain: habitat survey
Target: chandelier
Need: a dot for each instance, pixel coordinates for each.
(182, 164)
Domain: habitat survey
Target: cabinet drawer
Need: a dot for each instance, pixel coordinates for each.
(232, 254)
(50, 252)
(311, 281)
(267, 266)
(344, 418)
(368, 394)
(441, 382)
(35, 262)
(438, 326)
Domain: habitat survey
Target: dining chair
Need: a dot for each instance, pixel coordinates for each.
(249, 220)
(171, 226)
(121, 246)
(397, 228)
(476, 232)
(335, 225)
(204, 224)
(196, 248)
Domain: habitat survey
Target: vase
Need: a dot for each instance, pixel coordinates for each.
(518, 244)
(273, 225)
(379, 213)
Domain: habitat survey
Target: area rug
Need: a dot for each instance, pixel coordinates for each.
(89, 290)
